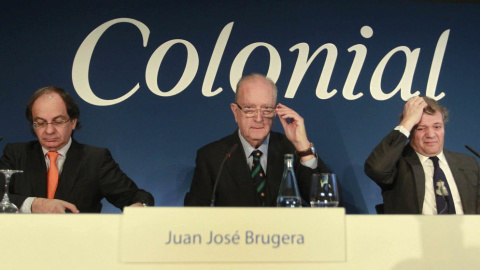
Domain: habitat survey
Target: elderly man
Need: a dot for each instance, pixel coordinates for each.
(421, 177)
(254, 110)
(61, 174)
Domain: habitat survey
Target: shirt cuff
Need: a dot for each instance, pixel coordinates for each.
(27, 205)
(311, 163)
(403, 130)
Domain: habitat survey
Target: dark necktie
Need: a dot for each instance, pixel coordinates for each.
(440, 181)
(258, 175)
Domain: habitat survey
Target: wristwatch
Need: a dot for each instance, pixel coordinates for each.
(309, 151)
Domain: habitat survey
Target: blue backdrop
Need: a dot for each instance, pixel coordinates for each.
(153, 79)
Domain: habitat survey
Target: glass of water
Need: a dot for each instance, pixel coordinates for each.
(6, 206)
(324, 190)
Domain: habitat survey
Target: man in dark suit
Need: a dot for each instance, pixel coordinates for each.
(421, 177)
(254, 111)
(60, 174)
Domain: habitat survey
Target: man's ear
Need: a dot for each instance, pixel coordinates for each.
(234, 108)
(74, 123)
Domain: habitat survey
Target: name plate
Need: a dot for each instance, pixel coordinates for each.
(202, 234)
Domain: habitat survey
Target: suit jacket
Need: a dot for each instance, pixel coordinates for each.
(235, 187)
(396, 168)
(89, 174)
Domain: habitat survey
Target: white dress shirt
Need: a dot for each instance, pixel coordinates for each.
(27, 204)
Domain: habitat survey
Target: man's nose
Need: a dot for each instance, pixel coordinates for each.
(49, 129)
(430, 133)
(258, 117)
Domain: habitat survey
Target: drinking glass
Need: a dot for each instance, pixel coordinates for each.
(6, 206)
(324, 191)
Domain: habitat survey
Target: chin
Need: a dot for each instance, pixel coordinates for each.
(259, 137)
(50, 145)
(432, 153)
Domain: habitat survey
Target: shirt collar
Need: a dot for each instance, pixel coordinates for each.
(440, 156)
(63, 151)
(248, 148)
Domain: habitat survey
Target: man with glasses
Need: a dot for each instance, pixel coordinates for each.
(60, 174)
(252, 174)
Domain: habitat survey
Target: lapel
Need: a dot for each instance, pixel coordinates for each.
(464, 189)
(37, 171)
(70, 170)
(274, 169)
(239, 170)
(419, 175)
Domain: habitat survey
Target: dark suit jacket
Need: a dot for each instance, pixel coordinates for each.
(235, 187)
(89, 174)
(396, 168)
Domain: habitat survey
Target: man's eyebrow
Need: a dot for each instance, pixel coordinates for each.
(54, 118)
(38, 118)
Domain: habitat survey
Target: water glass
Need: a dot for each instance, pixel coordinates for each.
(324, 190)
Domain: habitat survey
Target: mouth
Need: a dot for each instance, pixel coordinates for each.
(430, 143)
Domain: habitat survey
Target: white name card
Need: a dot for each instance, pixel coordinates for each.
(202, 234)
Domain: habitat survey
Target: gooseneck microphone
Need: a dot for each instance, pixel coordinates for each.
(227, 156)
(473, 151)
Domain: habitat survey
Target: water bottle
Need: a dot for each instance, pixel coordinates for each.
(288, 195)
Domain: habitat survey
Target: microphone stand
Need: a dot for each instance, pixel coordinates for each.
(447, 206)
(473, 151)
(227, 156)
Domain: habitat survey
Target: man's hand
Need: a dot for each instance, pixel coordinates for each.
(295, 130)
(42, 205)
(137, 204)
(412, 112)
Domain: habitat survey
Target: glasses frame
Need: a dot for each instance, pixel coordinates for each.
(53, 123)
(256, 112)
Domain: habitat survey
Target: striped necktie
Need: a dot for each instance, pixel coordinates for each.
(258, 175)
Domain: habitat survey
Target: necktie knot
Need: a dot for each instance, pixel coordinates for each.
(52, 156)
(256, 154)
(435, 161)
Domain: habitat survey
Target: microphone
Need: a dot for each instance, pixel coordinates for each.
(473, 151)
(1, 138)
(227, 156)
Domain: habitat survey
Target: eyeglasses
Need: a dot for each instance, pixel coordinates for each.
(267, 112)
(43, 124)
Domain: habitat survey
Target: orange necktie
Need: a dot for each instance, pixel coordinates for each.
(52, 175)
